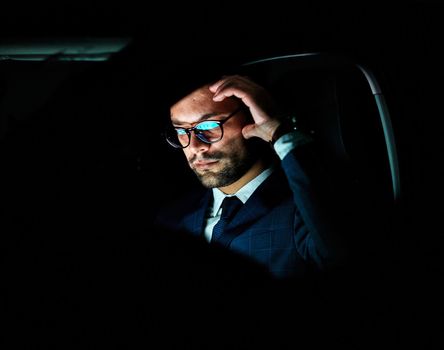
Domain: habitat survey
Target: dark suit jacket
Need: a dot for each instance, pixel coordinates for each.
(286, 225)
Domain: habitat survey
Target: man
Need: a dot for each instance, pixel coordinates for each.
(238, 146)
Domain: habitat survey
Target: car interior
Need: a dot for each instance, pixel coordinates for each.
(84, 167)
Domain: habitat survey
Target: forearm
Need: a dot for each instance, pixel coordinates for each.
(318, 234)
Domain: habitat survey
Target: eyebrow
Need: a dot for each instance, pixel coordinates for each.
(202, 118)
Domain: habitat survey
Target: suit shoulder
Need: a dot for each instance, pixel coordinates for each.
(175, 208)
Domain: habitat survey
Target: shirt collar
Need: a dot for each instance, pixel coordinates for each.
(243, 194)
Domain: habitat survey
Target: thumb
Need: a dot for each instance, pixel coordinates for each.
(263, 131)
(250, 131)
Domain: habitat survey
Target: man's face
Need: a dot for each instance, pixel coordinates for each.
(221, 163)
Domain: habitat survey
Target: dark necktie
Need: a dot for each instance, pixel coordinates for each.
(230, 206)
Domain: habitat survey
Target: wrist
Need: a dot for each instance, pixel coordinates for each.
(283, 128)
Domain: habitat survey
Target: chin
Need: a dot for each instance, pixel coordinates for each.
(214, 180)
(208, 180)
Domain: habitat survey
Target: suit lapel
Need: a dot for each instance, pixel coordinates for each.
(268, 195)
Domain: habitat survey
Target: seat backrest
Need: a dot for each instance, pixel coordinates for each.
(341, 103)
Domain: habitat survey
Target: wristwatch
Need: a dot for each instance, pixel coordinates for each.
(287, 125)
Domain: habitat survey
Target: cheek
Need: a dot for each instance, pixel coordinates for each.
(235, 141)
(187, 153)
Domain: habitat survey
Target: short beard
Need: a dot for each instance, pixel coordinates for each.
(236, 165)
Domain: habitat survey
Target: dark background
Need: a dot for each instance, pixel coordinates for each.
(81, 174)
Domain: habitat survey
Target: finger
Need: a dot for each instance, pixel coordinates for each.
(213, 87)
(216, 86)
(231, 90)
(249, 131)
(222, 85)
(232, 86)
(230, 79)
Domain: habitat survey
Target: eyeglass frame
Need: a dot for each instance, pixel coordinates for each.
(189, 130)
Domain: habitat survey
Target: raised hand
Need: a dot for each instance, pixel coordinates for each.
(256, 98)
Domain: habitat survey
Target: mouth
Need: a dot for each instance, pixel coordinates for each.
(204, 164)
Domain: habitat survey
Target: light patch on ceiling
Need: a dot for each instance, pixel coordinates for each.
(64, 49)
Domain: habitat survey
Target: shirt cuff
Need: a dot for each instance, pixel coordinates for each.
(287, 142)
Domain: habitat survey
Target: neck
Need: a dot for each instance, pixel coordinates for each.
(254, 171)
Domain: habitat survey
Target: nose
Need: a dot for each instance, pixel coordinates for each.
(196, 145)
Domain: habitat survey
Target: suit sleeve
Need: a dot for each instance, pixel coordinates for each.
(321, 216)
